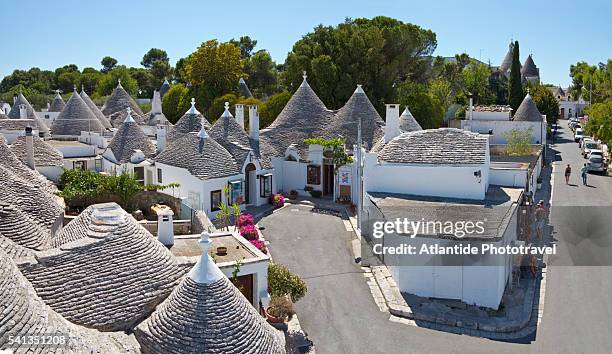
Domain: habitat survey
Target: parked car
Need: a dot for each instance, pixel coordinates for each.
(595, 152)
(578, 135)
(588, 145)
(597, 164)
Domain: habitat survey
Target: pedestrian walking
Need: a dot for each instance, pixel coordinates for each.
(540, 216)
(568, 172)
(583, 172)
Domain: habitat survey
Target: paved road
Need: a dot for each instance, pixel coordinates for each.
(578, 307)
(340, 315)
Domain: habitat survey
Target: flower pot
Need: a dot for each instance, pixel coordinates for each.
(293, 195)
(271, 318)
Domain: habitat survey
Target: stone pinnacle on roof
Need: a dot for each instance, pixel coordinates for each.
(205, 271)
(128, 118)
(226, 112)
(202, 134)
(193, 109)
(304, 81)
(359, 89)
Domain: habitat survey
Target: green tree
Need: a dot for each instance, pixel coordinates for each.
(377, 52)
(176, 102)
(214, 69)
(282, 282)
(599, 124)
(157, 62)
(146, 81)
(546, 102)
(270, 109)
(261, 70)
(475, 80)
(515, 88)
(89, 80)
(246, 45)
(152, 56)
(108, 64)
(425, 107)
(109, 81)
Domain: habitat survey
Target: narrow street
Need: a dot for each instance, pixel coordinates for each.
(578, 305)
(340, 316)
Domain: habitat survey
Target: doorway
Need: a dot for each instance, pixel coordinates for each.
(245, 285)
(328, 179)
(249, 177)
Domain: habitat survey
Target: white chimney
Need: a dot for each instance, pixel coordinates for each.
(165, 228)
(240, 114)
(392, 125)
(253, 123)
(162, 133)
(23, 111)
(29, 147)
(471, 108)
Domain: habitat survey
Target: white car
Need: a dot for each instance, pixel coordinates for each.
(578, 135)
(588, 146)
(597, 164)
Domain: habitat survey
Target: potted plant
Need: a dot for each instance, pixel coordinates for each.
(279, 310)
(282, 282)
(293, 194)
(316, 194)
(249, 232)
(277, 200)
(308, 188)
(244, 220)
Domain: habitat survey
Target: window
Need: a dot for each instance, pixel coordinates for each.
(215, 200)
(139, 174)
(98, 164)
(159, 176)
(313, 174)
(79, 165)
(265, 185)
(236, 195)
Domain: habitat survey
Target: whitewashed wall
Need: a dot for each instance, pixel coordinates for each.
(482, 281)
(508, 175)
(501, 127)
(491, 116)
(426, 180)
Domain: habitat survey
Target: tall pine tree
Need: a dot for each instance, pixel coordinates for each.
(515, 88)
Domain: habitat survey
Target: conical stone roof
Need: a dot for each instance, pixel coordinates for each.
(227, 132)
(527, 111)
(22, 172)
(345, 124)
(207, 314)
(127, 139)
(14, 113)
(39, 204)
(408, 123)
(19, 228)
(75, 118)
(95, 110)
(243, 89)
(164, 88)
(507, 62)
(57, 104)
(110, 279)
(45, 155)
(529, 68)
(26, 315)
(190, 122)
(201, 155)
(116, 106)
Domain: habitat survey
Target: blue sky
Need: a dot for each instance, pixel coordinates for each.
(54, 33)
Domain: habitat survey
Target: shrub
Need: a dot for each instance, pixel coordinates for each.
(282, 282)
(281, 307)
(308, 188)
